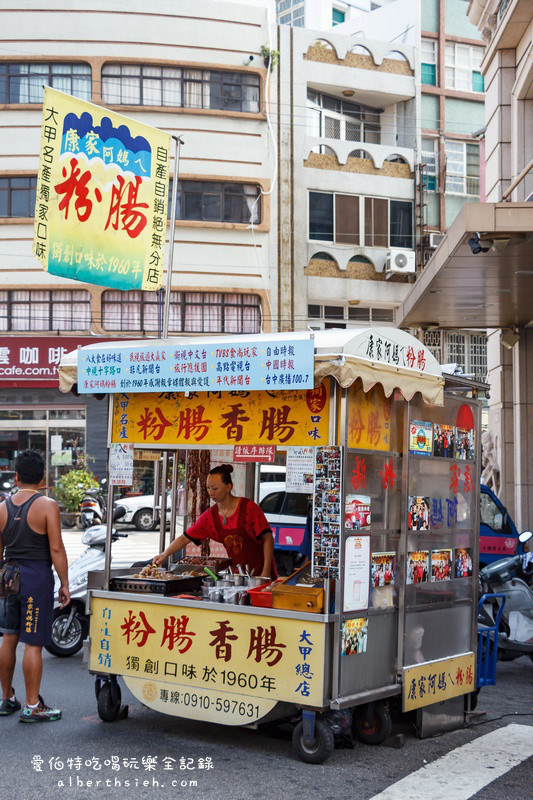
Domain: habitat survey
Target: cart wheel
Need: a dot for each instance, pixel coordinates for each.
(374, 730)
(108, 711)
(320, 749)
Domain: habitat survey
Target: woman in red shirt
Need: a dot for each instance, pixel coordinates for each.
(236, 522)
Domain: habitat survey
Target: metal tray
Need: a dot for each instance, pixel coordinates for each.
(125, 583)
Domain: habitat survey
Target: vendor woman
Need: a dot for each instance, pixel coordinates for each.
(236, 522)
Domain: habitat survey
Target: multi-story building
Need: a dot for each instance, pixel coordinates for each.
(199, 75)
(322, 14)
(481, 276)
(347, 141)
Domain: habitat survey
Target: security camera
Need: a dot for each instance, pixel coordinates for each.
(479, 245)
(248, 60)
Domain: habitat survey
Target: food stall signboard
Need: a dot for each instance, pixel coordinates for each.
(368, 418)
(223, 418)
(254, 454)
(434, 681)
(214, 366)
(209, 651)
(102, 192)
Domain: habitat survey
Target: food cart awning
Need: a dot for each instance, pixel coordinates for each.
(390, 357)
(387, 356)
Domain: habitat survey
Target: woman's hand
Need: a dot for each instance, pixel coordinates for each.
(158, 560)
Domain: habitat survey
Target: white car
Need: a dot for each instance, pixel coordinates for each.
(139, 510)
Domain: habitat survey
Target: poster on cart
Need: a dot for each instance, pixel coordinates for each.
(356, 573)
(299, 473)
(327, 512)
(420, 438)
(121, 464)
(354, 636)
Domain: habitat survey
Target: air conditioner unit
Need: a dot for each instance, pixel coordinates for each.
(400, 262)
(434, 239)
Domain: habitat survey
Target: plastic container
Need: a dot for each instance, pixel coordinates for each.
(260, 598)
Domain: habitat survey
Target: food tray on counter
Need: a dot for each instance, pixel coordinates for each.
(214, 564)
(126, 583)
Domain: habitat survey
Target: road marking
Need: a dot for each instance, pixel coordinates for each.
(464, 771)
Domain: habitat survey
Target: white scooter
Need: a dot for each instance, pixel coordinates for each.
(70, 625)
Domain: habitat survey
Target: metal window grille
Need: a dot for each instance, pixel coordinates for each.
(433, 341)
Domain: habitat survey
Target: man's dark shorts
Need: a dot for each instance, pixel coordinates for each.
(29, 614)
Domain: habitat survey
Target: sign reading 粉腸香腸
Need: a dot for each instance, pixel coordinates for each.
(257, 421)
(207, 367)
(102, 192)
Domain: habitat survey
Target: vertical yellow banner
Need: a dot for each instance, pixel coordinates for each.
(102, 194)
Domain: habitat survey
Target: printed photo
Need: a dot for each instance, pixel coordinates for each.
(417, 566)
(464, 444)
(420, 438)
(463, 562)
(441, 565)
(418, 513)
(382, 568)
(443, 441)
(354, 636)
(357, 512)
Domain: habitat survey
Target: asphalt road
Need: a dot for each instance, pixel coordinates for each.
(245, 763)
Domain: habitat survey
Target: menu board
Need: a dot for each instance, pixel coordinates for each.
(327, 512)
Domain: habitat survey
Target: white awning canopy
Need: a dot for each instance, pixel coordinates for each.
(386, 356)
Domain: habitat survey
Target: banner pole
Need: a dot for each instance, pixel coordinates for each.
(166, 309)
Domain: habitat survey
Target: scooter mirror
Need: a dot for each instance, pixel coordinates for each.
(525, 536)
(119, 512)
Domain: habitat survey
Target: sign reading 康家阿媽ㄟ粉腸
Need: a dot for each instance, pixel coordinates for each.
(246, 365)
(101, 199)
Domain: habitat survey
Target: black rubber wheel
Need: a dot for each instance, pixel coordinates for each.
(143, 520)
(107, 710)
(321, 748)
(67, 644)
(377, 729)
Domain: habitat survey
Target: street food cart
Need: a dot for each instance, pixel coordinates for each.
(392, 438)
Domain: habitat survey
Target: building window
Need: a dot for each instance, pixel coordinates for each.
(341, 316)
(401, 224)
(23, 83)
(428, 60)
(57, 310)
(463, 65)
(337, 16)
(212, 201)
(469, 352)
(137, 85)
(360, 221)
(334, 118)
(430, 160)
(190, 312)
(17, 196)
(462, 168)
(321, 216)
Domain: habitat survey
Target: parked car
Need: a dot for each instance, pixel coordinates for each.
(287, 514)
(139, 510)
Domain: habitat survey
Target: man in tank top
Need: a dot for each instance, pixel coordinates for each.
(30, 542)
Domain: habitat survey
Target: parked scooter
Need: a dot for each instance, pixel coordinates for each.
(70, 625)
(511, 577)
(93, 507)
